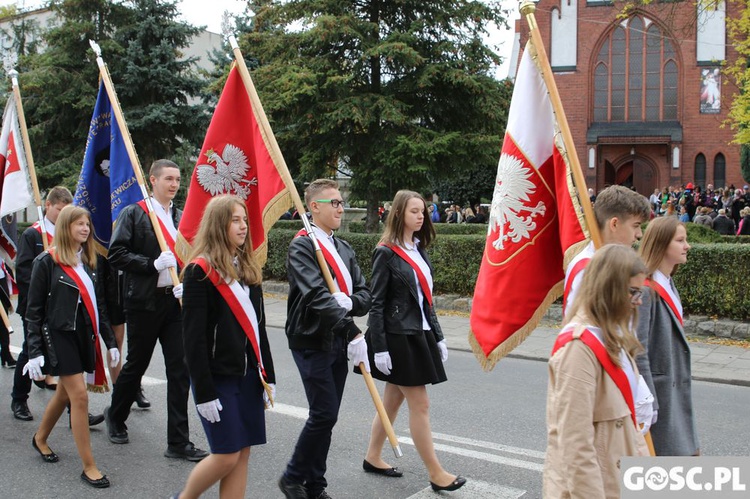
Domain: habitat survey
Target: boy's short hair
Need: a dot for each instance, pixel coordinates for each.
(316, 187)
(158, 165)
(621, 202)
(59, 194)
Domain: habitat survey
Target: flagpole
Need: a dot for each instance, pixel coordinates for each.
(29, 156)
(527, 9)
(131, 154)
(286, 176)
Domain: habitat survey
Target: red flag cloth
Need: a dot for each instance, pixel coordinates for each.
(535, 225)
(235, 159)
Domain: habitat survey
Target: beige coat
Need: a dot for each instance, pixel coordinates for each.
(589, 427)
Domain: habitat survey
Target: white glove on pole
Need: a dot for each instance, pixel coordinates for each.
(344, 301)
(443, 346)
(357, 351)
(34, 368)
(177, 291)
(266, 400)
(210, 410)
(383, 362)
(644, 405)
(114, 357)
(165, 260)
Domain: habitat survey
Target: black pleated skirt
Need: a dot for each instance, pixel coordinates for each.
(415, 359)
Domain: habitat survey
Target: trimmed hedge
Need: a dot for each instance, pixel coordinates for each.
(712, 283)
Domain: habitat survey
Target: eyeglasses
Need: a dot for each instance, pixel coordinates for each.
(334, 202)
(635, 294)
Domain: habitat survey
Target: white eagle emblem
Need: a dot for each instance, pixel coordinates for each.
(512, 189)
(229, 174)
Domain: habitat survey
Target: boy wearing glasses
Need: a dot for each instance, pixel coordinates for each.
(321, 333)
(619, 214)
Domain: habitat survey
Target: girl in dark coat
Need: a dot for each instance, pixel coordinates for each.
(226, 347)
(404, 336)
(65, 314)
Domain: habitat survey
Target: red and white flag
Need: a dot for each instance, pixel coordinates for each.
(15, 192)
(535, 224)
(236, 159)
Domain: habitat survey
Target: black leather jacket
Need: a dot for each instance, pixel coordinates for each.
(314, 317)
(53, 306)
(133, 249)
(395, 303)
(215, 343)
(29, 247)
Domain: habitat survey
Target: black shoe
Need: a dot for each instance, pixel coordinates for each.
(392, 472)
(454, 485)
(116, 432)
(99, 483)
(140, 399)
(21, 410)
(321, 495)
(188, 452)
(292, 490)
(48, 458)
(95, 420)
(8, 361)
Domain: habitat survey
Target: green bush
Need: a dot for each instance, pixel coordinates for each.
(295, 225)
(697, 233)
(441, 228)
(735, 239)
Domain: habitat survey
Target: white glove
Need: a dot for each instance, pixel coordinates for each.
(114, 357)
(644, 406)
(443, 350)
(165, 260)
(383, 362)
(655, 417)
(210, 410)
(357, 351)
(34, 368)
(344, 301)
(266, 400)
(177, 291)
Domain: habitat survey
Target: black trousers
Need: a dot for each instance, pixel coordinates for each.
(323, 376)
(144, 329)
(21, 382)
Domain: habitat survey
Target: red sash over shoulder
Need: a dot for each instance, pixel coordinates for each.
(420, 275)
(331, 261)
(666, 297)
(577, 269)
(616, 373)
(167, 236)
(38, 228)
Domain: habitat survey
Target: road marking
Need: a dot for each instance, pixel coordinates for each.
(302, 412)
(475, 489)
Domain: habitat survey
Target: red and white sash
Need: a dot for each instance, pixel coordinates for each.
(616, 373)
(38, 228)
(667, 297)
(343, 277)
(97, 381)
(577, 269)
(169, 233)
(417, 269)
(240, 305)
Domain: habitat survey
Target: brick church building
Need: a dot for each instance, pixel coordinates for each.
(644, 92)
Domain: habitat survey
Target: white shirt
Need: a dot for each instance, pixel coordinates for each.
(166, 218)
(326, 240)
(624, 362)
(666, 283)
(587, 252)
(413, 253)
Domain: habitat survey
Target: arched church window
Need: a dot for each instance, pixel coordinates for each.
(699, 176)
(720, 174)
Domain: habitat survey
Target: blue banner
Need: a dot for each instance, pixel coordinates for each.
(107, 183)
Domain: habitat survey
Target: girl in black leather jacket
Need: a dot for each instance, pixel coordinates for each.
(65, 314)
(407, 344)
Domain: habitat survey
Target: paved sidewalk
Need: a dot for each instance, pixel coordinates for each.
(714, 363)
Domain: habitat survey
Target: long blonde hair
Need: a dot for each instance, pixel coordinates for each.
(604, 300)
(65, 252)
(656, 240)
(394, 224)
(212, 242)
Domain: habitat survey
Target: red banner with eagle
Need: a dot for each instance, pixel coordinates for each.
(536, 225)
(235, 159)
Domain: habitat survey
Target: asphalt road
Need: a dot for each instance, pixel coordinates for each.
(488, 427)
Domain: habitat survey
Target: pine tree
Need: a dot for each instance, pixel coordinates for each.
(389, 91)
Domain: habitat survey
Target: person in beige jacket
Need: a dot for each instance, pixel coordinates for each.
(591, 422)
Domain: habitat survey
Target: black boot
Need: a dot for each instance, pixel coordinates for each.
(140, 399)
(6, 359)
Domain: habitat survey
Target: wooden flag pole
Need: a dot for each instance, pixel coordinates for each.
(275, 151)
(527, 9)
(131, 154)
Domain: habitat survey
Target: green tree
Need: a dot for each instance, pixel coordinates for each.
(393, 92)
(739, 71)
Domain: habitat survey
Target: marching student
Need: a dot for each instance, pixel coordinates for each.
(404, 334)
(594, 393)
(65, 315)
(666, 362)
(226, 346)
(321, 332)
(619, 213)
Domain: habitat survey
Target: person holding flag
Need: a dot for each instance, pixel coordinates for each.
(404, 334)
(226, 346)
(65, 315)
(152, 311)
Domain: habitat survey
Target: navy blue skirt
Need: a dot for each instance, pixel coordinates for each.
(243, 418)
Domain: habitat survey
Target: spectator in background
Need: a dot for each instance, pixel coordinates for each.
(468, 214)
(434, 213)
(592, 196)
(481, 217)
(743, 229)
(703, 218)
(738, 204)
(450, 215)
(386, 210)
(655, 200)
(684, 216)
(670, 211)
(723, 224)
(689, 201)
